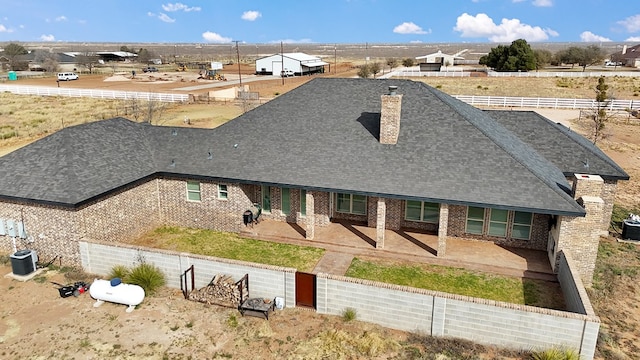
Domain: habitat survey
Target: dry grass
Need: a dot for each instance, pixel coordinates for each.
(24, 119)
(572, 88)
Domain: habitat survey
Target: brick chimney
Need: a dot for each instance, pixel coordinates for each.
(390, 116)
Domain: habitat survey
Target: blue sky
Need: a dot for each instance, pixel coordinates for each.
(329, 21)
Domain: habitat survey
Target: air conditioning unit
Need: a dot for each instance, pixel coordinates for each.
(23, 262)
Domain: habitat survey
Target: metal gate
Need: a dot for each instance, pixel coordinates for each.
(305, 290)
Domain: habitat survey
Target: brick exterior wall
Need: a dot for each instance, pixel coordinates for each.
(609, 197)
(537, 240)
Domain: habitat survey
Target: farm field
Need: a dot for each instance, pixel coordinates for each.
(36, 323)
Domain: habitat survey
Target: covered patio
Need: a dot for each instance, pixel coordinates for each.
(345, 240)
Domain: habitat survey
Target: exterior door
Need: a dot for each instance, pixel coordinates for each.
(305, 290)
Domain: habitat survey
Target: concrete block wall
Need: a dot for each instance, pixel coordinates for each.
(575, 295)
(264, 280)
(440, 314)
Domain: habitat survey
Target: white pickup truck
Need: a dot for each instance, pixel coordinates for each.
(286, 73)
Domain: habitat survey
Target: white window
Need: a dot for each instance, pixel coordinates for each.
(193, 191)
(223, 192)
(475, 220)
(422, 211)
(521, 228)
(351, 204)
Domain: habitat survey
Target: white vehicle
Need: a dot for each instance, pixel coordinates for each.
(286, 73)
(67, 76)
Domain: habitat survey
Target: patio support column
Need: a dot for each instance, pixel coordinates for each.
(381, 215)
(310, 216)
(443, 224)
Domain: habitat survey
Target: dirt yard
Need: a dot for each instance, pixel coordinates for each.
(35, 323)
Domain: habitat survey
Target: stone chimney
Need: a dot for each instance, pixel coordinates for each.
(624, 49)
(390, 116)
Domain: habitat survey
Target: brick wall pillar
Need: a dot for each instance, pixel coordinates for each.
(380, 223)
(580, 236)
(310, 216)
(443, 224)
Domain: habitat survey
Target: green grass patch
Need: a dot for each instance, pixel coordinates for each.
(231, 246)
(457, 281)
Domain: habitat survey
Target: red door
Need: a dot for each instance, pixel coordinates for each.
(305, 290)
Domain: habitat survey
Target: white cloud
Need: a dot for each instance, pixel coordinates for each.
(631, 24)
(61, 18)
(179, 7)
(164, 17)
(482, 26)
(250, 15)
(409, 28)
(214, 37)
(542, 3)
(588, 36)
(292, 41)
(49, 37)
(3, 29)
(634, 39)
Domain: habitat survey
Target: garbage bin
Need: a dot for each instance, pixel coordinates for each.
(23, 262)
(13, 75)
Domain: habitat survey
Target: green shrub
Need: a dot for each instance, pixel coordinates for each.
(556, 354)
(147, 276)
(349, 314)
(119, 271)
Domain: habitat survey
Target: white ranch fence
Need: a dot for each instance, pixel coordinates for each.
(93, 93)
(553, 103)
(415, 72)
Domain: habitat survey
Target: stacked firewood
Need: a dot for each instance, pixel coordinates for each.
(221, 290)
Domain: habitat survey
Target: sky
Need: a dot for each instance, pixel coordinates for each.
(323, 22)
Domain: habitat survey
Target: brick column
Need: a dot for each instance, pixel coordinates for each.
(443, 224)
(381, 216)
(310, 216)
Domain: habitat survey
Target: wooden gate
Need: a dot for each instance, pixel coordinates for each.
(305, 290)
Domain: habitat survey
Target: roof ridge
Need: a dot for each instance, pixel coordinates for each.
(498, 141)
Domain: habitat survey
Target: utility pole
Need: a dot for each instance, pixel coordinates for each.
(238, 54)
(335, 59)
(282, 62)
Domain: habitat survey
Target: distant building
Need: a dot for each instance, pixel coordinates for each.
(433, 62)
(299, 63)
(629, 56)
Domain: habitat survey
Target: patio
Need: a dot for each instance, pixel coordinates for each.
(343, 241)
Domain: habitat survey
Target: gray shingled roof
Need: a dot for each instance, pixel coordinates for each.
(569, 151)
(320, 136)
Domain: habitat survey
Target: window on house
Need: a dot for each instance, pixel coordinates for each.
(223, 192)
(498, 222)
(422, 211)
(193, 191)
(285, 201)
(303, 202)
(475, 220)
(351, 204)
(266, 198)
(521, 228)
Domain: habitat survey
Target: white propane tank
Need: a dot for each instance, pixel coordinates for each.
(127, 294)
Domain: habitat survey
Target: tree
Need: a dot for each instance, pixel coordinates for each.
(516, 57)
(12, 52)
(88, 60)
(408, 62)
(543, 58)
(375, 68)
(47, 60)
(144, 55)
(599, 113)
(583, 56)
(392, 63)
(364, 71)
